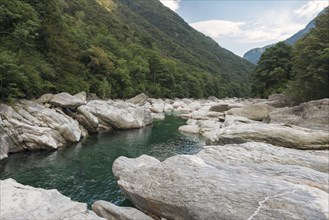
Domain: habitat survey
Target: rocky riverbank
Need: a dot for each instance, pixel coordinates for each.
(53, 121)
(265, 159)
(250, 172)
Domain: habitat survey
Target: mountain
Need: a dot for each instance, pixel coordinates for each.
(114, 48)
(301, 33)
(253, 55)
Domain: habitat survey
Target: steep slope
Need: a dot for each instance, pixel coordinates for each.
(114, 48)
(253, 55)
(181, 41)
(300, 33)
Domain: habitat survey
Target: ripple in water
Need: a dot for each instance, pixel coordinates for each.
(83, 171)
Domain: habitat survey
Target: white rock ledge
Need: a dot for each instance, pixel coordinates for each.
(31, 126)
(18, 201)
(246, 181)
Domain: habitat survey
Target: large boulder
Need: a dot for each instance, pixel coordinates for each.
(191, 129)
(256, 112)
(279, 100)
(158, 105)
(55, 119)
(110, 211)
(45, 98)
(268, 154)
(117, 114)
(31, 126)
(279, 135)
(87, 119)
(313, 114)
(247, 181)
(24, 135)
(138, 100)
(82, 96)
(65, 100)
(25, 202)
(219, 108)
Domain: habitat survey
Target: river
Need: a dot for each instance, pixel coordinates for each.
(83, 171)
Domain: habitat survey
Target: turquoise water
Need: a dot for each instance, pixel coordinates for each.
(83, 171)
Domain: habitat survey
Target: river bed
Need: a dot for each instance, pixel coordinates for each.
(83, 171)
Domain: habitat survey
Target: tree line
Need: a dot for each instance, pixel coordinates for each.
(301, 71)
(116, 49)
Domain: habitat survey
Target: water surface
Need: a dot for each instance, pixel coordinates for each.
(83, 171)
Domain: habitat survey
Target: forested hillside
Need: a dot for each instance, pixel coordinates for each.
(301, 71)
(113, 48)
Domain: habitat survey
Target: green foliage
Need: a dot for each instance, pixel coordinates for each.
(19, 23)
(10, 77)
(18, 77)
(273, 70)
(311, 63)
(112, 48)
(301, 71)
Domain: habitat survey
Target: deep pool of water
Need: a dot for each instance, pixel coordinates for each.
(83, 171)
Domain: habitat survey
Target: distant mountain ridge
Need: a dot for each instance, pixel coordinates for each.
(253, 55)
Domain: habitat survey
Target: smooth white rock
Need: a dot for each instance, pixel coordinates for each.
(110, 211)
(279, 135)
(25, 202)
(313, 114)
(247, 181)
(65, 100)
(191, 129)
(82, 96)
(256, 112)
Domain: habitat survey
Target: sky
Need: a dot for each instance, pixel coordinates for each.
(241, 25)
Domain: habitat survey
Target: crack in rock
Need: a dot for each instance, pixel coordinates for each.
(265, 200)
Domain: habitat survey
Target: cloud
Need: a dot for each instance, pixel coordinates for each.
(270, 26)
(311, 8)
(247, 31)
(219, 28)
(172, 4)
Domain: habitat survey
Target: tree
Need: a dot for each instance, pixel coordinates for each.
(12, 79)
(19, 23)
(115, 50)
(273, 70)
(311, 63)
(98, 62)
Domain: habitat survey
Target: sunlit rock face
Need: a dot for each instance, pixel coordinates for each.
(246, 181)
